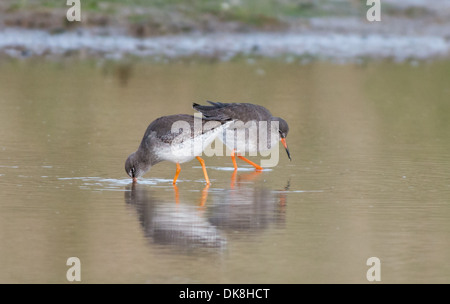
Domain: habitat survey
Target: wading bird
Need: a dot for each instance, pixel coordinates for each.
(243, 114)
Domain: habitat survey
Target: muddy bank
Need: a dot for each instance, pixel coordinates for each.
(175, 17)
(419, 30)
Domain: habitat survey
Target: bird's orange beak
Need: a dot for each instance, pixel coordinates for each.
(134, 180)
(283, 141)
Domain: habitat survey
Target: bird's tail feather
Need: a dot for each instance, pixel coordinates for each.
(210, 112)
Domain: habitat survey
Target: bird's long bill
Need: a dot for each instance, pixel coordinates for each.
(283, 141)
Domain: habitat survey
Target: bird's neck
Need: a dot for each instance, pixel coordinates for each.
(146, 154)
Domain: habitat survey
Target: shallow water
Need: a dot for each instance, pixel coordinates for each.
(339, 47)
(369, 175)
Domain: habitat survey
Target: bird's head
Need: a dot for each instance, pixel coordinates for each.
(283, 130)
(135, 167)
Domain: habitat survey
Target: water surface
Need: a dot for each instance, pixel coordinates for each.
(369, 174)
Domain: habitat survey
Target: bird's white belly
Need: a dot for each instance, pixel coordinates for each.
(176, 153)
(188, 149)
(248, 141)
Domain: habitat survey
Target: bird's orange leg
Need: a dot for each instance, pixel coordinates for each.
(177, 194)
(250, 176)
(202, 162)
(233, 179)
(176, 174)
(257, 167)
(204, 196)
(233, 158)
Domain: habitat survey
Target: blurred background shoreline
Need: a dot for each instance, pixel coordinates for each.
(328, 29)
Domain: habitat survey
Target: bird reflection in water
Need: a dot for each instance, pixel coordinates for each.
(174, 223)
(247, 206)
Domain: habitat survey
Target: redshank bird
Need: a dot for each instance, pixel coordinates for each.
(175, 138)
(242, 114)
